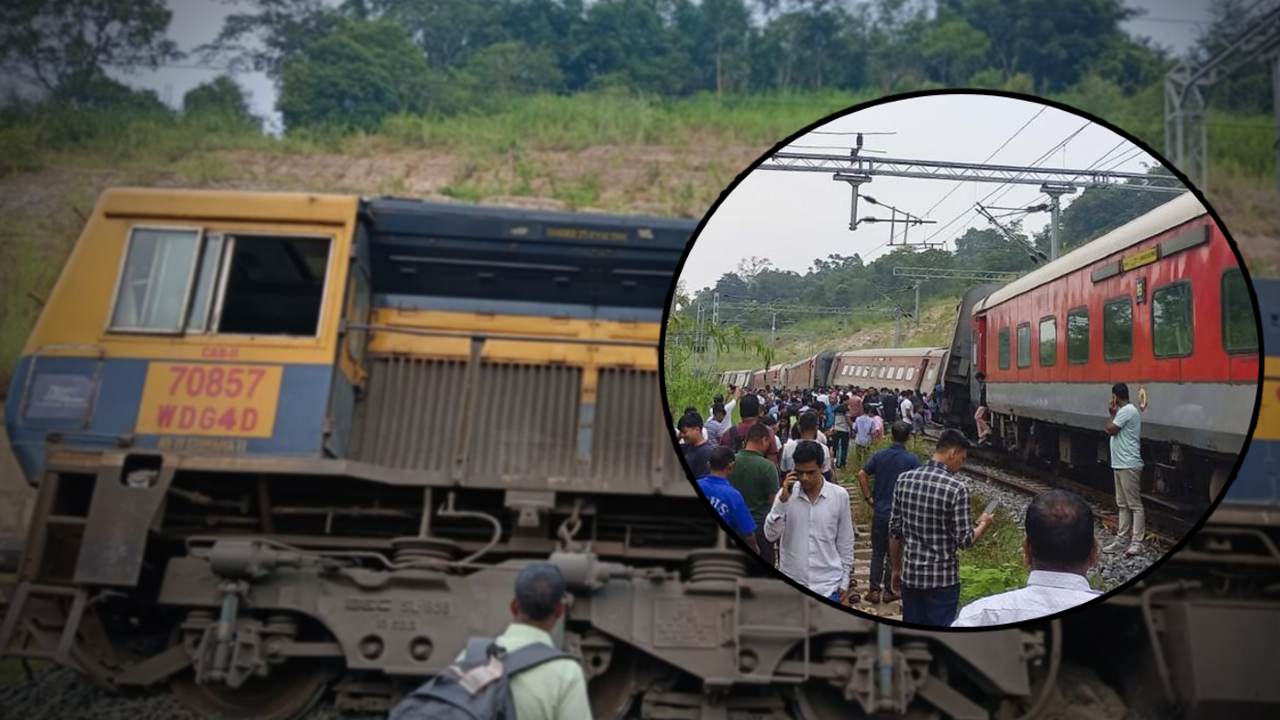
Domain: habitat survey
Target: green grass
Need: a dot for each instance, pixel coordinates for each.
(994, 563)
(575, 122)
(813, 335)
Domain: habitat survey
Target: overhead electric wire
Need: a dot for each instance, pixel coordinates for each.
(1034, 163)
(988, 158)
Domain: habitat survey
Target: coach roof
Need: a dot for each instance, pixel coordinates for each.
(1177, 211)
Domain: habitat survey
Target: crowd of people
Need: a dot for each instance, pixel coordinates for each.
(771, 477)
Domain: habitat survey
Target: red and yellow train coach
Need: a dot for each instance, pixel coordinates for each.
(809, 372)
(1160, 304)
(895, 368)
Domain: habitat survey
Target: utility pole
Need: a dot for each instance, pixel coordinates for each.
(697, 330)
(715, 324)
(1187, 87)
(1055, 193)
(773, 326)
(917, 313)
(897, 330)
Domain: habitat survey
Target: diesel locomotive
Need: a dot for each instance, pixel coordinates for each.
(287, 445)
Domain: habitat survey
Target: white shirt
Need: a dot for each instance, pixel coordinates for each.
(816, 546)
(821, 398)
(1045, 594)
(728, 410)
(787, 463)
(904, 410)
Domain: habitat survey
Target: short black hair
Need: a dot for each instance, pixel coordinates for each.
(721, 458)
(718, 398)
(1121, 391)
(749, 406)
(539, 589)
(1059, 529)
(809, 421)
(758, 432)
(952, 438)
(717, 409)
(690, 419)
(901, 431)
(807, 451)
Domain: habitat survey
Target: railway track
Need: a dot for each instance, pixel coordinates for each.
(1165, 525)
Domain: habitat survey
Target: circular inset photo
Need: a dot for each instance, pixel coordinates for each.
(961, 359)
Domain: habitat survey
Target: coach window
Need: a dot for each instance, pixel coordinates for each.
(1117, 330)
(1239, 331)
(1171, 320)
(154, 291)
(1048, 341)
(1004, 348)
(274, 285)
(1024, 345)
(1078, 336)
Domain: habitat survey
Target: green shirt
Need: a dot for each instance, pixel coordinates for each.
(1126, 445)
(550, 691)
(756, 477)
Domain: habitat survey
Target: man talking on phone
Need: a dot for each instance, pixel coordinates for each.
(929, 524)
(812, 525)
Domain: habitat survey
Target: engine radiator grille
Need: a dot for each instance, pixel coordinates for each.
(516, 422)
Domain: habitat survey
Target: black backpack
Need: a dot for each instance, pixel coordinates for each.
(477, 687)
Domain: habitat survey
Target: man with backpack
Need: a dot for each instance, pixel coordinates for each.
(519, 674)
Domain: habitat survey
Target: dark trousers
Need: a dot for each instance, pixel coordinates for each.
(879, 550)
(766, 547)
(936, 607)
(841, 447)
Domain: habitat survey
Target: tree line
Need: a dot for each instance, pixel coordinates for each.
(352, 64)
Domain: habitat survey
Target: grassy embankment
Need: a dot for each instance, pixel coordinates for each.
(587, 151)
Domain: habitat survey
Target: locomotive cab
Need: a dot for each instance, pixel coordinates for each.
(215, 334)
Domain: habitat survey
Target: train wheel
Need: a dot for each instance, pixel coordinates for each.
(288, 692)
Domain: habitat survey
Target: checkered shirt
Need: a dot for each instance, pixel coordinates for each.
(931, 515)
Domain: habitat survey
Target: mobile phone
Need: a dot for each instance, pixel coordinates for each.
(991, 507)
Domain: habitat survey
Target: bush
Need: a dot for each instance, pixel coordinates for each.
(221, 97)
(355, 77)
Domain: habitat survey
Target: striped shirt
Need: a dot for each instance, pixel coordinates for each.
(931, 515)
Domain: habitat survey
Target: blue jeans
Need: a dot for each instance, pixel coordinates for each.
(841, 447)
(879, 551)
(936, 606)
